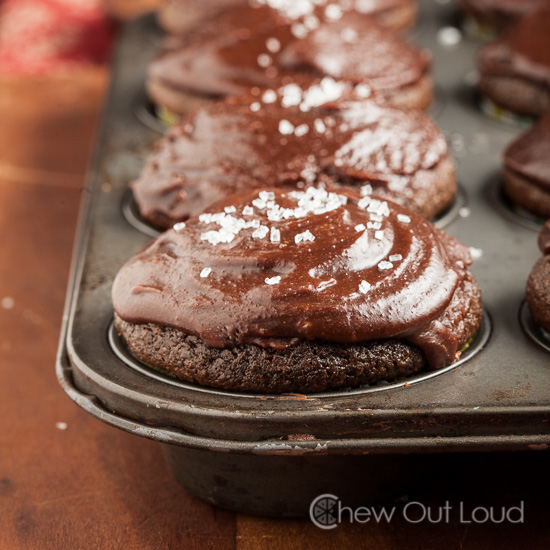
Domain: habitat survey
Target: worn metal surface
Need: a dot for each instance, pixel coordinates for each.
(499, 399)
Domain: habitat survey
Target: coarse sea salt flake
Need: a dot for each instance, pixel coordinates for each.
(273, 280)
(261, 232)
(366, 190)
(269, 96)
(275, 236)
(299, 30)
(264, 60)
(364, 202)
(255, 107)
(311, 22)
(286, 127)
(333, 11)
(383, 265)
(306, 236)
(395, 258)
(248, 211)
(230, 209)
(266, 196)
(259, 204)
(273, 45)
(179, 226)
(360, 227)
(292, 95)
(301, 130)
(403, 218)
(364, 287)
(206, 271)
(319, 126)
(379, 235)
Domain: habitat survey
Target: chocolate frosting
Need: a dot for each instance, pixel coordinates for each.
(529, 155)
(180, 8)
(258, 45)
(544, 238)
(321, 131)
(274, 267)
(523, 51)
(502, 12)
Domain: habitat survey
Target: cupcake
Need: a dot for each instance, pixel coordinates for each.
(298, 291)
(317, 132)
(494, 16)
(526, 174)
(538, 284)
(515, 69)
(179, 16)
(248, 46)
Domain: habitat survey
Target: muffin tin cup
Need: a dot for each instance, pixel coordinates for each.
(245, 451)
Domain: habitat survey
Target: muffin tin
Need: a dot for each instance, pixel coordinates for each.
(272, 454)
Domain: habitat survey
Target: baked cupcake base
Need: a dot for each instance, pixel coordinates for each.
(538, 292)
(515, 94)
(180, 103)
(538, 284)
(523, 192)
(303, 368)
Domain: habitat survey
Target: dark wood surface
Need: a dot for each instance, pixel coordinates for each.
(67, 481)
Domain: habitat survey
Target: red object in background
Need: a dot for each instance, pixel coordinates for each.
(39, 36)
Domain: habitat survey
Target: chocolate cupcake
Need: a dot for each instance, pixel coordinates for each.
(494, 16)
(538, 284)
(298, 291)
(261, 46)
(526, 172)
(179, 16)
(320, 132)
(515, 69)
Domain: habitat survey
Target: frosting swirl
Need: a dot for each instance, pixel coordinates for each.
(274, 267)
(544, 238)
(174, 14)
(259, 45)
(523, 51)
(501, 13)
(279, 137)
(529, 154)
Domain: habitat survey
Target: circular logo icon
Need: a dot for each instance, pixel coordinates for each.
(322, 511)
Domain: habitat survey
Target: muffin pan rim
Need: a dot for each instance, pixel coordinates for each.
(518, 420)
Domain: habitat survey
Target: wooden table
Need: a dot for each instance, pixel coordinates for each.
(67, 481)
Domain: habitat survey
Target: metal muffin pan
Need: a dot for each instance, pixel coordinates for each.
(271, 454)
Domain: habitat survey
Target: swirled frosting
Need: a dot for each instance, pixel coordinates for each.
(544, 238)
(271, 42)
(172, 12)
(529, 155)
(280, 137)
(501, 12)
(273, 267)
(523, 51)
